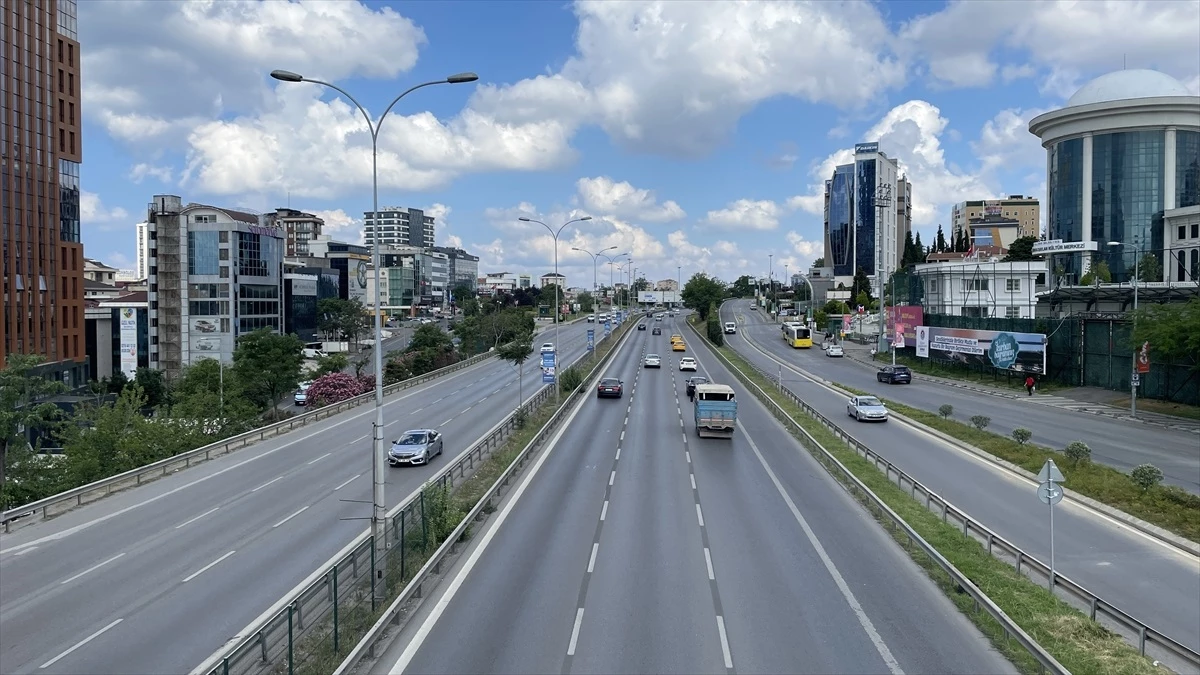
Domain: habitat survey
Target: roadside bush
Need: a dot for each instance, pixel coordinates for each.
(1146, 476)
(946, 411)
(336, 387)
(443, 513)
(713, 328)
(1078, 452)
(570, 379)
(1021, 435)
(981, 421)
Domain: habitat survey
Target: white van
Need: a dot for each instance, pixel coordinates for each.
(730, 327)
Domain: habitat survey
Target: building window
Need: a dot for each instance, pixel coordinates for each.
(1187, 168)
(1064, 207)
(1012, 312)
(202, 252)
(1127, 192)
(1012, 285)
(972, 285)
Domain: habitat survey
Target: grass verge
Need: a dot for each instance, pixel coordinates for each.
(442, 511)
(1002, 380)
(1078, 643)
(1153, 405)
(1166, 506)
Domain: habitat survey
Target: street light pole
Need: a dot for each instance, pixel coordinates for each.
(609, 258)
(595, 283)
(557, 285)
(379, 507)
(771, 283)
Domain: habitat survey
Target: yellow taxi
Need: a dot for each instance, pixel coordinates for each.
(678, 346)
(676, 338)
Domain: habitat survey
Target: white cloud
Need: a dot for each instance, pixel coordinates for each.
(441, 219)
(142, 170)
(746, 214)
(92, 210)
(603, 195)
(1005, 141)
(810, 250)
(341, 225)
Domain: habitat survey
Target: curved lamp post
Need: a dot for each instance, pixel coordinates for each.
(557, 285)
(609, 258)
(379, 510)
(595, 284)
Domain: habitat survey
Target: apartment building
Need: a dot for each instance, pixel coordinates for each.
(298, 227)
(397, 226)
(1026, 211)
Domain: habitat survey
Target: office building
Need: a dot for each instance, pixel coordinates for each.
(498, 282)
(464, 268)
(41, 148)
(551, 278)
(300, 304)
(398, 227)
(118, 335)
(666, 285)
(524, 281)
(1123, 151)
(993, 231)
(352, 261)
(215, 275)
(867, 204)
(1026, 211)
(1182, 228)
(298, 227)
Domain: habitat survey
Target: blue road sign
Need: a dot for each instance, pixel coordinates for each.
(591, 339)
(607, 328)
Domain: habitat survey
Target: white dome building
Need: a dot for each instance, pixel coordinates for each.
(1125, 149)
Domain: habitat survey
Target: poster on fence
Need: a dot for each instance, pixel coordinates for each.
(1020, 352)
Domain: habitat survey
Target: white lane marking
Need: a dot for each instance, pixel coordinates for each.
(630, 408)
(448, 421)
(267, 483)
(363, 436)
(192, 520)
(79, 644)
(467, 410)
(708, 564)
(422, 408)
(207, 567)
(693, 477)
(622, 435)
(699, 516)
(863, 620)
(612, 477)
(724, 642)
(592, 560)
(618, 454)
(688, 455)
(346, 483)
(93, 568)
(575, 632)
(289, 517)
(604, 510)
(27, 550)
(320, 458)
(626, 422)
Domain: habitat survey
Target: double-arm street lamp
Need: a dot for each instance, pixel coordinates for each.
(557, 284)
(1133, 371)
(611, 262)
(595, 256)
(379, 510)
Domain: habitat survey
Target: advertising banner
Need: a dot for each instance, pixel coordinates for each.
(128, 337)
(607, 328)
(356, 286)
(591, 339)
(1143, 359)
(1021, 352)
(548, 367)
(652, 297)
(922, 342)
(846, 322)
(898, 336)
(909, 316)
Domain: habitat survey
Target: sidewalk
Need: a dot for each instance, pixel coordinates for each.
(1080, 399)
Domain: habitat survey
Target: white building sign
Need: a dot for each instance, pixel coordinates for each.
(127, 326)
(1060, 246)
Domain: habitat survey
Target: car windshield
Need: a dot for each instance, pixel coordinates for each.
(652, 356)
(412, 438)
(870, 402)
(900, 369)
(609, 382)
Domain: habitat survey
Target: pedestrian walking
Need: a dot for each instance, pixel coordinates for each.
(1030, 384)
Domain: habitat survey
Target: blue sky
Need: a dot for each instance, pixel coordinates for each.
(696, 134)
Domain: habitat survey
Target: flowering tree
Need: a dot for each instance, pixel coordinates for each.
(336, 387)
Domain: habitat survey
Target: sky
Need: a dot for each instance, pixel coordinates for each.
(697, 135)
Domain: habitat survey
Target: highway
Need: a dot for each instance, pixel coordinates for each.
(154, 579)
(633, 546)
(1154, 582)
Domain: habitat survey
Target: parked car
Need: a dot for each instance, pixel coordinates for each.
(894, 375)
(687, 363)
(301, 397)
(610, 387)
(415, 447)
(834, 350)
(653, 361)
(867, 408)
(547, 347)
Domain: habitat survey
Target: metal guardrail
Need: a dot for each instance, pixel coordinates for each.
(1148, 641)
(62, 502)
(882, 510)
(344, 589)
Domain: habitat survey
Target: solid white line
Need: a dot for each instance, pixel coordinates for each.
(289, 517)
(346, 483)
(192, 520)
(91, 569)
(693, 477)
(865, 621)
(699, 516)
(207, 567)
(618, 454)
(688, 455)
(79, 644)
(612, 477)
(24, 551)
(708, 564)
(575, 633)
(592, 560)
(320, 458)
(724, 642)
(604, 510)
(266, 484)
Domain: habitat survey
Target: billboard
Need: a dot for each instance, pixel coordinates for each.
(356, 284)
(651, 297)
(128, 334)
(1021, 352)
(865, 148)
(909, 317)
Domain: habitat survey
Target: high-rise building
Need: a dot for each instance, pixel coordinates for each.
(142, 264)
(867, 204)
(398, 227)
(298, 227)
(41, 148)
(1026, 211)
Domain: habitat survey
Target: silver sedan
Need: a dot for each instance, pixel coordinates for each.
(416, 446)
(867, 409)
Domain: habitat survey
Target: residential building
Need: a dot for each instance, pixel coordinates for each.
(666, 285)
(867, 204)
(983, 287)
(215, 275)
(298, 227)
(1026, 211)
(1123, 151)
(41, 259)
(398, 227)
(525, 281)
(1182, 227)
(118, 335)
(142, 265)
(499, 282)
(998, 231)
(352, 261)
(552, 277)
(95, 270)
(95, 291)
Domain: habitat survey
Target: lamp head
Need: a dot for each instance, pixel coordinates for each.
(1114, 243)
(585, 218)
(460, 78)
(523, 219)
(286, 76)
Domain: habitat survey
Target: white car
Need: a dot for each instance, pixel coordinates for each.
(547, 347)
(834, 350)
(867, 409)
(730, 327)
(687, 363)
(653, 361)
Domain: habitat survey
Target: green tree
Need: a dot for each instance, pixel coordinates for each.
(939, 244)
(702, 293)
(213, 395)
(587, 302)
(861, 285)
(819, 262)
(1173, 331)
(153, 385)
(269, 365)
(116, 383)
(919, 252)
(342, 319)
(1098, 274)
(547, 295)
(640, 284)
(716, 334)
(1021, 250)
(743, 287)
(1149, 269)
(331, 363)
(24, 406)
(517, 352)
(469, 305)
(907, 258)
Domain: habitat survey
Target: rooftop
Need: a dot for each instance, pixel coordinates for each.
(1128, 84)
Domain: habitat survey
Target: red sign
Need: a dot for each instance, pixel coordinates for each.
(909, 316)
(1143, 358)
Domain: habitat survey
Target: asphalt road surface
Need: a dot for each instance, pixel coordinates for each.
(638, 547)
(153, 580)
(1152, 581)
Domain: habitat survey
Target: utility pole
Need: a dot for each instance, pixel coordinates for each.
(883, 201)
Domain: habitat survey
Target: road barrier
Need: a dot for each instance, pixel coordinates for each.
(1149, 642)
(343, 589)
(75, 497)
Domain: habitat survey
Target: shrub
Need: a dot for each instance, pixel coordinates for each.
(1021, 435)
(333, 388)
(981, 421)
(1078, 452)
(1146, 476)
(946, 411)
(570, 379)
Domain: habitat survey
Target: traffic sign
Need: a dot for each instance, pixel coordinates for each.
(1050, 493)
(1050, 472)
(1135, 378)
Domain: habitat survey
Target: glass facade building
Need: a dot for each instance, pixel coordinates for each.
(866, 209)
(841, 214)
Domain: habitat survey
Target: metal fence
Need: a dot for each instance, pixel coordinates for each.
(1149, 642)
(306, 631)
(65, 501)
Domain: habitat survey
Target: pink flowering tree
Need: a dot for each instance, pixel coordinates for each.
(336, 387)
